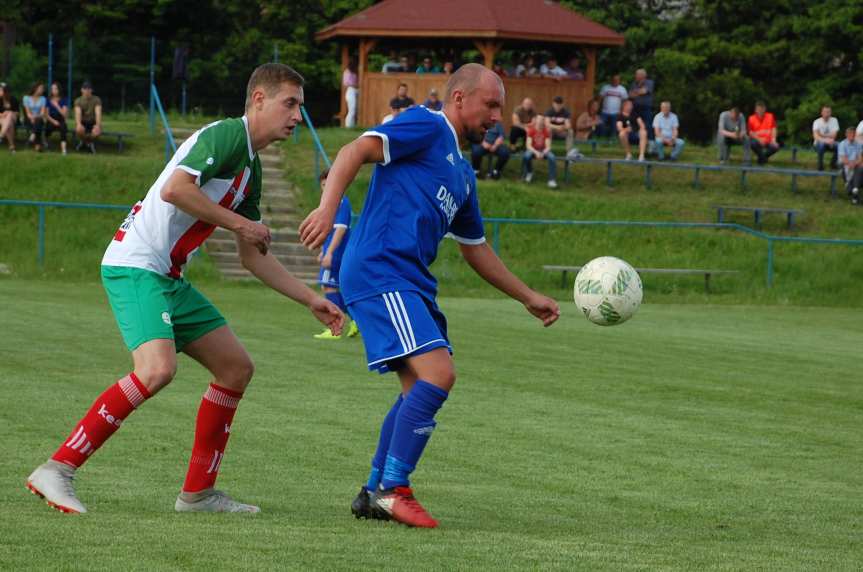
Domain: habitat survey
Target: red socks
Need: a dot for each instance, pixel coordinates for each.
(102, 420)
(212, 429)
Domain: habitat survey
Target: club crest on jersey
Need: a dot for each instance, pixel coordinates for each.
(451, 159)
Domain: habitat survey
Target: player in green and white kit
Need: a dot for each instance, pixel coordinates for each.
(214, 179)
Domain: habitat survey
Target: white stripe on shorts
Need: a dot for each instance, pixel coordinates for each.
(402, 319)
(395, 323)
(407, 320)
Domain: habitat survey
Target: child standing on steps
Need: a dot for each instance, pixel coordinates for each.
(331, 260)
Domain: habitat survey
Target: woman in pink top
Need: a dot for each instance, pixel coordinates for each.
(350, 81)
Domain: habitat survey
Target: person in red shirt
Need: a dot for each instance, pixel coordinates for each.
(539, 147)
(762, 133)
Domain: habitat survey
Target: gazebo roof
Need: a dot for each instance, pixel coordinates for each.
(538, 20)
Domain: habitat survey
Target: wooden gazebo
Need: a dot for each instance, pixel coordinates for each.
(486, 25)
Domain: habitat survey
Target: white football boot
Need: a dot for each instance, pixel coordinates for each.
(211, 500)
(53, 482)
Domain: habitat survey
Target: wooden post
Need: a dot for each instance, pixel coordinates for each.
(364, 116)
(343, 107)
(488, 51)
(590, 76)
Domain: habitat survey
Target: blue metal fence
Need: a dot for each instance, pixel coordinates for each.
(771, 239)
(170, 144)
(496, 224)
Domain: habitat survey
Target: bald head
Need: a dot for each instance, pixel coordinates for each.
(474, 97)
(469, 77)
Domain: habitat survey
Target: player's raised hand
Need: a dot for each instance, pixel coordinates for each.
(328, 314)
(256, 234)
(544, 308)
(316, 227)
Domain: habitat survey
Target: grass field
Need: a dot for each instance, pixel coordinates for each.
(691, 438)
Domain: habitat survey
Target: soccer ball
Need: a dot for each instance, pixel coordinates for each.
(608, 291)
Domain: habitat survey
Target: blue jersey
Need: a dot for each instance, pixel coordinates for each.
(342, 220)
(423, 190)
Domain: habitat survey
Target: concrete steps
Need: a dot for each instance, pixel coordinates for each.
(280, 214)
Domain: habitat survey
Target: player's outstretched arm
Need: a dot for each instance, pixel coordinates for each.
(270, 271)
(319, 223)
(486, 263)
(181, 191)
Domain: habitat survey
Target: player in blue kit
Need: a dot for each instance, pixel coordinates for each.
(330, 259)
(422, 189)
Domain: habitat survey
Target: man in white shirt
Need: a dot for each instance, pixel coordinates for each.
(666, 126)
(552, 69)
(824, 132)
(613, 95)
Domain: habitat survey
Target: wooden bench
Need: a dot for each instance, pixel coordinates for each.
(707, 273)
(698, 168)
(790, 214)
(120, 136)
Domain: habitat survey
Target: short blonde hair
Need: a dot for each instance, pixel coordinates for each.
(270, 78)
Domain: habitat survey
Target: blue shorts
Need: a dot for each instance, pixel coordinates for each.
(329, 277)
(396, 325)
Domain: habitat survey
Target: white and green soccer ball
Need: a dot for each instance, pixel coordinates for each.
(608, 291)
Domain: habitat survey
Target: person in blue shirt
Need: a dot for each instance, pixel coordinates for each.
(492, 144)
(35, 111)
(330, 259)
(422, 189)
(433, 102)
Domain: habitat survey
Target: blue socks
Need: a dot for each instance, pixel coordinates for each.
(380, 458)
(413, 426)
(336, 298)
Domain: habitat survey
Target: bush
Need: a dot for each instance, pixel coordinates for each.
(26, 67)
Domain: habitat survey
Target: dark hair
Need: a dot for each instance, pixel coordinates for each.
(760, 103)
(735, 109)
(558, 99)
(403, 84)
(35, 86)
(324, 174)
(270, 78)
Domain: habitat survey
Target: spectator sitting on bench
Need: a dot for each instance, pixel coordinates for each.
(58, 110)
(589, 123)
(427, 67)
(558, 119)
(539, 147)
(433, 102)
(631, 130)
(522, 118)
(825, 130)
(851, 156)
(666, 127)
(401, 101)
(8, 116)
(527, 68)
(88, 118)
(552, 70)
(492, 144)
(573, 70)
(762, 133)
(731, 131)
(35, 111)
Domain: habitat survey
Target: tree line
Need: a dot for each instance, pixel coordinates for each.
(705, 55)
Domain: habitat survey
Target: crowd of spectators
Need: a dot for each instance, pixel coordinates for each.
(41, 115)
